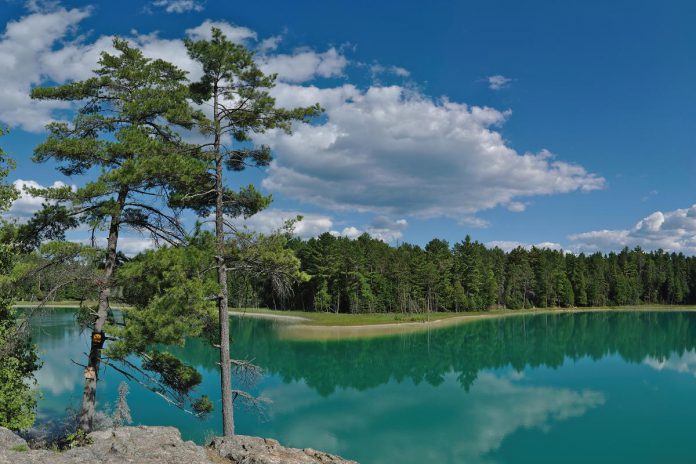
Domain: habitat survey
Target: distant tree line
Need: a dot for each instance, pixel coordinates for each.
(366, 275)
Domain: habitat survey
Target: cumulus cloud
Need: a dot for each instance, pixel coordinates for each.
(26, 205)
(24, 46)
(271, 220)
(498, 82)
(312, 224)
(395, 152)
(387, 150)
(305, 64)
(44, 47)
(377, 68)
(671, 231)
(238, 34)
(178, 6)
(382, 228)
(130, 245)
(508, 245)
(386, 229)
(269, 44)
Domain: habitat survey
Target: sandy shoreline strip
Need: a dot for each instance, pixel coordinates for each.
(298, 329)
(277, 317)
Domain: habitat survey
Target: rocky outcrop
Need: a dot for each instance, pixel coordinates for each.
(253, 450)
(161, 445)
(9, 440)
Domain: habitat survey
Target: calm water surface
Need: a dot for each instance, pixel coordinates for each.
(599, 387)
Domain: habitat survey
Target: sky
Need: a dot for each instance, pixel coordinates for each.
(561, 124)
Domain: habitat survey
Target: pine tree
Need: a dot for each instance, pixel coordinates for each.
(241, 107)
(124, 129)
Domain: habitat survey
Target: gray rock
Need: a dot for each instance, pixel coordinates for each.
(242, 449)
(161, 445)
(9, 439)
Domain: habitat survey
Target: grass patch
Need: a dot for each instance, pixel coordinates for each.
(332, 319)
(20, 448)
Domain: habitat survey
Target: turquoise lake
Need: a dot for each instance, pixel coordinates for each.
(565, 388)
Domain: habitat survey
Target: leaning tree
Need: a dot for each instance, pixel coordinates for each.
(124, 139)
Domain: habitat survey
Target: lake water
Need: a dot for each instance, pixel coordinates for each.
(571, 388)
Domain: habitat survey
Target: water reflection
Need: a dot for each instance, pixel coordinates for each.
(520, 342)
(492, 391)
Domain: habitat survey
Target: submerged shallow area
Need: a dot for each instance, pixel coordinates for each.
(544, 388)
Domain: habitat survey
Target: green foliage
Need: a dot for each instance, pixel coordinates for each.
(18, 355)
(7, 192)
(19, 361)
(75, 440)
(203, 405)
(168, 289)
(126, 127)
(173, 372)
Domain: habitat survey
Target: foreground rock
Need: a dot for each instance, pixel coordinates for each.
(161, 445)
(253, 450)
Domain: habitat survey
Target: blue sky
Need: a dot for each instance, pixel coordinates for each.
(566, 123)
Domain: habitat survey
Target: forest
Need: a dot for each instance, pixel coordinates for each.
(367, 275)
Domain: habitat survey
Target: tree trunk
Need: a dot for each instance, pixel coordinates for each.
(225, 361)
(89, 394)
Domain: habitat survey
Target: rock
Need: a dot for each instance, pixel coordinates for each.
(142, 445)
(160, 445)
(9, 440)
(242, 449)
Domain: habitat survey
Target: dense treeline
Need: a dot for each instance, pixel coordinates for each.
(367, 275)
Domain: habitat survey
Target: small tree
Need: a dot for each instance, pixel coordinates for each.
(18, 355)
(168, 292)
(241, 106)
(124, 129)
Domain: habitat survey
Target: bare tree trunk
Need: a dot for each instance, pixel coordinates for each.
(225, 362)
(89, 394)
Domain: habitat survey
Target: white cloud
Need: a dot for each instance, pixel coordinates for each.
(237, 34)
(387, 150)
(44, 47)
(129, 245)
(312, 224)
(386, 229)
(350, 232)
(269, 44)
(671, 231)
(508, 245)
(178, 6)
(378, 68)
(516, 206)
(498, 82)
(26, 205)
(25, 45)
(392, 151)
(305, 64)
(272, 220)
(381, 228)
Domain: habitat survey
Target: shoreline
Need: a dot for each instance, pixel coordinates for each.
(307, 329)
